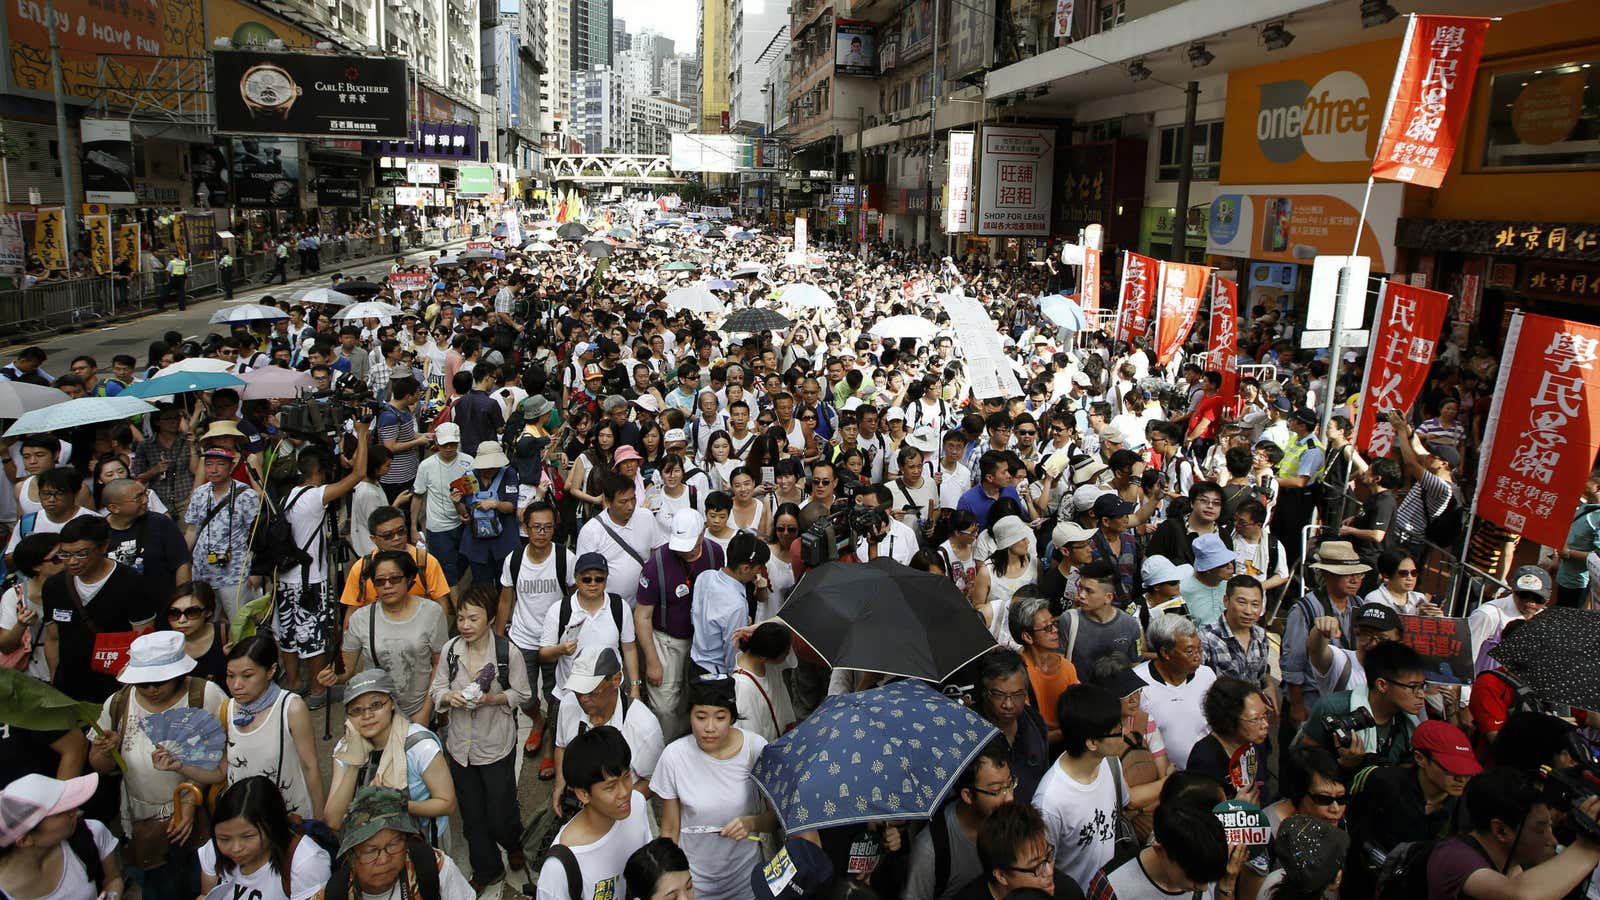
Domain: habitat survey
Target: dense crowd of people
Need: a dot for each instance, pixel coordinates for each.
(548, 526)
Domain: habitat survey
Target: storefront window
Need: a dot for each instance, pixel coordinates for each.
(1545, 117)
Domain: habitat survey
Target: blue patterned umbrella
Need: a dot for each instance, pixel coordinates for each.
(889, 754)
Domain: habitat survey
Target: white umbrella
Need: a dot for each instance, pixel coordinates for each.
(805, 296)
(749, 268)
(82, 411)
(246, 313)
(904, 327)
(18, 397)
(196, 364)
(369, 309)
(694, 298)
(326, 297)
(540, 247)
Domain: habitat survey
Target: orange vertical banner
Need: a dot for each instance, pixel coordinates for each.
(1182, 287)
(1406, 329)
(1138, 289)
(1429, 99)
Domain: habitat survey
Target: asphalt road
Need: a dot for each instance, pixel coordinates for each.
(134, 337)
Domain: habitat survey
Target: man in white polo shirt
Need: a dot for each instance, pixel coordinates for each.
(1177, 680)
(622, 533)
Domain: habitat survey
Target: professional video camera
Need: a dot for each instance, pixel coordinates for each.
(320, 415)
(845, 525)
(1342, 729)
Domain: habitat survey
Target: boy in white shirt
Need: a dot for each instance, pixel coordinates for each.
(589, 853)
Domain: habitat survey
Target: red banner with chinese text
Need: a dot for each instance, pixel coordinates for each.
(1222, 348)
(1406, 333)
(1089, 282)
(1433, 88)
(1182, 287)
(1543, 429)
(1138, 289)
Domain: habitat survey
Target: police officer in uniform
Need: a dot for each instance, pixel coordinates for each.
(177, 278)
(1298, 483)
(225, 270)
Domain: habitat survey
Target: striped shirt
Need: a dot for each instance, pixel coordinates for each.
(1426, 500)
(399, 425)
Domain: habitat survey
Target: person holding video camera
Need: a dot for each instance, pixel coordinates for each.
(1372, 724)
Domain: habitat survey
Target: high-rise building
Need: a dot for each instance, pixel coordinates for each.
(753, 27)
(679, 76)
(660, 49)
(513, 48)
(620, 39)
(634, 68)
(555, 82)
(591, 35)
(712, 45)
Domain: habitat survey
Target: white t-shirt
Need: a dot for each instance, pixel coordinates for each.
(641, 729)
(1081, 819)
(43, 524)
(952, 485)
(75, 883)
(1177, 709)
(711, 793)
(309, 870)
(763, 700)
(1328, 682)
(598, 629)
(535, 592)
(305, 520)
(600, 862)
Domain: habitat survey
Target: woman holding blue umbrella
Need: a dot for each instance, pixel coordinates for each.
(709, 802)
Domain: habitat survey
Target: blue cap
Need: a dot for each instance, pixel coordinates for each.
(592, 561)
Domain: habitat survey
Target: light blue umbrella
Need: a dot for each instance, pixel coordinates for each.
(182, 383)
(741, 236)
(1064, 311)
(889, 754)
(82, 411)
(721, 284)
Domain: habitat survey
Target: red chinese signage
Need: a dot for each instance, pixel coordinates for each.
(1223, 347)
(1182, 287)
(1138, 289)
(1433, 87)
(1089, 283)
(1408, 322)
(1544, 427)
(409, 281)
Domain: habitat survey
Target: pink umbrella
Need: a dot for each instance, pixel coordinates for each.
(274, 383)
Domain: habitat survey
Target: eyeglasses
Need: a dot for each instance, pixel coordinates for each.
(1006, 696)
(1415, 687)
(80, 555)
(1010, 787)
(371, 709)
(541, 527)
(1255, 720)
(1027, 432)
(1050, 626)
(51, 495)
(592, 579)
(388, 580)
(371, 854)
(176, 614)
(1113, 736)
(1330, 799)
(822, 481)
(785, 529)
(808, 418)
(1041, 868)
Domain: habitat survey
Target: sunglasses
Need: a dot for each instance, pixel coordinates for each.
(592, 579)
(179, 614)
(1330, 799)
(388, 580)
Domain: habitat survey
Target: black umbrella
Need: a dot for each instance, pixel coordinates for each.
(572, 231)
(756, 319)
(1553, 654)
(884, 617)
(597, 249)
(358, 288)
(475, 254)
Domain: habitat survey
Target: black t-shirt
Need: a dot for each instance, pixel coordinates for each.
(25, 752)
(121, 601)
(1377, 514)
(1209, 757)
(153, 547)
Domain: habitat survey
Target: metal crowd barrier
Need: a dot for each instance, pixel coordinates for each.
(54, 304)
(1262, 373)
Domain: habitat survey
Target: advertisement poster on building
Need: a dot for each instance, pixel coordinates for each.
(208, 175)
(266, 173)
(958, 211)
(1407, 326)
(99, 229)
(422, 172)
(50, 238)
(128, 244)
(1015, 174)
(1296, 223)
(474, 181)
(138, 36)
(916, 31)
(1431, 92)
(1543, 429)
(1064, 18)
(969, 38)
(313, 95)
(855, 48)
(108, 161)
(338, 192)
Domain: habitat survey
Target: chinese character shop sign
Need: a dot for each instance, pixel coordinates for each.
(1015, 173)
(1544, 427)
(1432, 90)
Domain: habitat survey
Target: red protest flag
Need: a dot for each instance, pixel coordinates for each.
(1222, 348)
(1182, 287)
(1138, 290)
(1543, 429)
(1406, 336)
(1429, 99)
(1089, 282)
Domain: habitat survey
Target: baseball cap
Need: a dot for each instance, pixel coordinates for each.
(592, 370)
(1531, 580)
(1070, 533)
(1085, 496)
(592, 562)
(675, 436)
(447, 433)
(219, 453)
(1110, 435)
(647, 402)
(1080, 379)
(1125, 682)
(592, 666)
(687, 524)
(895, 413)
(370, 681)
(583, 348)
(1447, 746)
(1111, 505)
(1377, 616)
(1449, 454)
(32, 798)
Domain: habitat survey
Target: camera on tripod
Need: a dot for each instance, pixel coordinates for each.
(320, 415)
(845, 525)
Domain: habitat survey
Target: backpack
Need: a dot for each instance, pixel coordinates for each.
(272, 545)
(565, 615)
(560, 551)
(502, 662)
(1444, 530)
